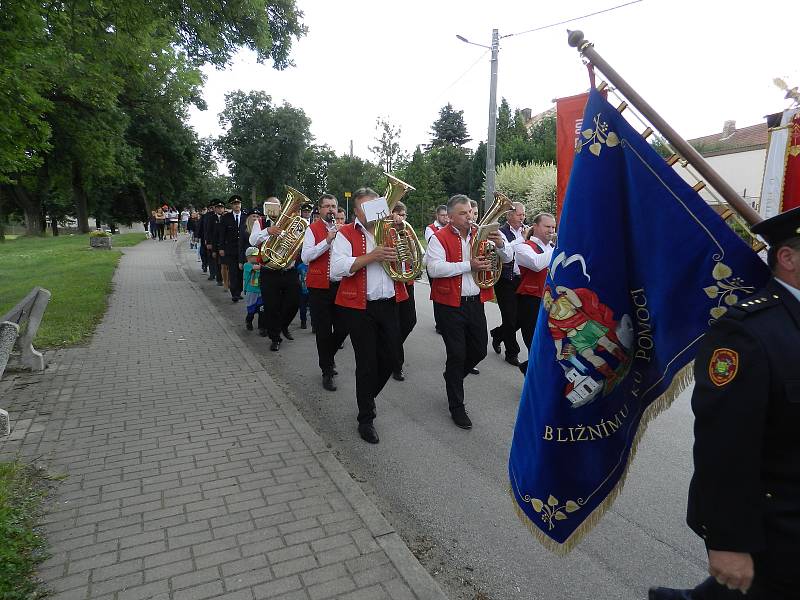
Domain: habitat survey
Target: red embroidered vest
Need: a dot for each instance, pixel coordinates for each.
(447, 290)
(532, 282)
(319, 269)
(353, 290)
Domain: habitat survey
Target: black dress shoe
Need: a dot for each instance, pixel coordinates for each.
(287, 335)
(368, 433)
(235, 299)
(662, 593)
(512, 359)
(249, 325)
(210, 277)
(328, 384)
(398, 375)
(219, 283)
(461, 419)
(523, 367)
(497, 345)
(303, 325)
(275, 345)
(262, 332)
(474, 371)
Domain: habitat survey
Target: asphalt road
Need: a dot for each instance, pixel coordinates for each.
(445, 489)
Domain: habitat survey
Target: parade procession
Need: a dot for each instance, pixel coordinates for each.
(557, 362)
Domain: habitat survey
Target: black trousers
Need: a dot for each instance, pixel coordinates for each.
(214, 265)
(506, 292)
(527, 314)
(465, 339)
(203, 255)
(328, 322)
(408, 320)
(235, 276)
(281, 293)
(375, 333)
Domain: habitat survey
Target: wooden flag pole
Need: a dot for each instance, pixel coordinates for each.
(586, 48)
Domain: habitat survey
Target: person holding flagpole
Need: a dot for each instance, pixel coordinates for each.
(744, 498)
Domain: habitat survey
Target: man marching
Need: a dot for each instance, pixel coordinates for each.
(744, 498)
(506, 288)
(440, 221)
(458, 301)
(532, 258)
(280, 289)
(368, 299)
(322, 287)
(232, 229)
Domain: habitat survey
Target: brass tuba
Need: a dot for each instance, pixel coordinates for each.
(280, 250)
(486, 248)
(402, 237)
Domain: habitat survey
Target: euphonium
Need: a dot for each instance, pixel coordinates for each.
(279, 250)
(486, 248)
(400, 236)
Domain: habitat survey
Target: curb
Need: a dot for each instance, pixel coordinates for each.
(418, 579)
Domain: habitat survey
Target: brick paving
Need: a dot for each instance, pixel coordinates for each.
(189, 474)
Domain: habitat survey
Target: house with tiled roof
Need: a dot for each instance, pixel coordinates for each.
(738, 155)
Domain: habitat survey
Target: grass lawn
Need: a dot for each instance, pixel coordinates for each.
(22, 489)
(78, 277)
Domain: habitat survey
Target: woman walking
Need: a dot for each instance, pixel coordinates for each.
(160, 221)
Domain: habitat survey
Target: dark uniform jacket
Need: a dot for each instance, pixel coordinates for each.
(230, 234)
(212, 231)
(745, 493)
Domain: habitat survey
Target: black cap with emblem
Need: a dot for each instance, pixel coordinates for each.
(779, 228)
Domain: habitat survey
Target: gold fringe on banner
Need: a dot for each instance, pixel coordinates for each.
(680, 382)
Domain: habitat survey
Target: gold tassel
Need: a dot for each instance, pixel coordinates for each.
(680, 382)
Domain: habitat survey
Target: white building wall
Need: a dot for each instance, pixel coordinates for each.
(744, 171)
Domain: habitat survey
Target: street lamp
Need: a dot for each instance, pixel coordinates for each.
(492, 137)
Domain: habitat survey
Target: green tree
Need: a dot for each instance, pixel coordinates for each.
(312, 177)
(263, 144)
(429, 193)
(453, 167)
(387, 148)
(449, 129)
(348, 173)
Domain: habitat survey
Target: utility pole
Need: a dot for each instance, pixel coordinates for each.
(351, 148)
(492, 138)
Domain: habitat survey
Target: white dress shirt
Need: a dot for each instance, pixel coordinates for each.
(528, 258)
(519, 238)
(792, 290)
(379, 284)
(438, 266)
(258, 236)
(428, 233)
(312, 251)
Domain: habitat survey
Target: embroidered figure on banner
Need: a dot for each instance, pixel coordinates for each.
(592, 348)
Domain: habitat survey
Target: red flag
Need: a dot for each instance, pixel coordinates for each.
(569, 119)
(791, 183)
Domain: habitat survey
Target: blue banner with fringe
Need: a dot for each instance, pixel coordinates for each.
(642, 267)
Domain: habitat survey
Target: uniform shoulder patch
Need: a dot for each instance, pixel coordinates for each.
(758, 303)
(723, 366)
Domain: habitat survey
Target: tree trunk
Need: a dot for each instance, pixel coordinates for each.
(31, 207)
(80, 199)
(54, 226)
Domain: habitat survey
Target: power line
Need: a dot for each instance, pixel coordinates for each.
(605, 10)
(464, 74)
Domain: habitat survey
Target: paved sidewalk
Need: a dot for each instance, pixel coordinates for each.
(190, 475)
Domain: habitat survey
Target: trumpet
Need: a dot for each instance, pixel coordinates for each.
(400, 236)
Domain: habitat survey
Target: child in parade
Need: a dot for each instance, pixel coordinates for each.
(252, 291)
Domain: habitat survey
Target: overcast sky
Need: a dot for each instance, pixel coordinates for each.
(697, 62)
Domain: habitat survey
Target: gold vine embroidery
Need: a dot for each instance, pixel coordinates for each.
(725, 290)
(596, 136)
(552, 511)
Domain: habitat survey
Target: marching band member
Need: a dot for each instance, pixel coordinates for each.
(506, 288)
(533, 257)
(458, 301)
(440, 221)
(280, 289)
(407, 308)
(322, 287)
(368, 298)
